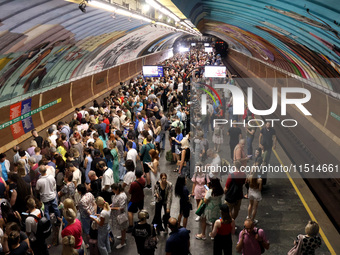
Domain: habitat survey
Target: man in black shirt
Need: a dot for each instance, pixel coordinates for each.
(235, 134)
(96, 184)
(37, 138)
(141, 231)
(95, 162)
(267, 141)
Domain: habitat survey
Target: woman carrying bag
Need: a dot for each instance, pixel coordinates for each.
(119, 215)
(212, 199)
(163, 196)
(307, 244)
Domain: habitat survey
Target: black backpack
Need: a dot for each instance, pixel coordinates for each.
(233, 192)
(44, 226)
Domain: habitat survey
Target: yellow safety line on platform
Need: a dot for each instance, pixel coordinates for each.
(311, 215)
(329, 246)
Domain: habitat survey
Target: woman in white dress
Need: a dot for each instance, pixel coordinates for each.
(154, 166)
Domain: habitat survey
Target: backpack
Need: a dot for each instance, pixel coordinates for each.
(151, 241)
(44, 226)
(234, 190)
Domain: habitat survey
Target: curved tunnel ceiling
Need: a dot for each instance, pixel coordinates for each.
(301, 37)
(46, 43)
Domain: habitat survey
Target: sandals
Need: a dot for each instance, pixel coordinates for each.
(200, 237)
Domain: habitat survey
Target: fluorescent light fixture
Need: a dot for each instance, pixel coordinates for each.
(146, 7)
(101, 5)
(161, 9)
(109, 7)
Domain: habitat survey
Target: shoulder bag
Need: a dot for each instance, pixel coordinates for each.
(296, 250)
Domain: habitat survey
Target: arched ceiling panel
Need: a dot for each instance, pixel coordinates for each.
(301, 37)
(46, 43)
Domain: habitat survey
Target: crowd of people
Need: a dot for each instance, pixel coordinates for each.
(87, 178)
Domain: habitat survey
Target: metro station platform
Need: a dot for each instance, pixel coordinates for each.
(281, 213)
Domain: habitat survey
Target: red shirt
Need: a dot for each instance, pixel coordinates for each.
(225, 229)
(107, 122)
(74, 230)
(136, 190)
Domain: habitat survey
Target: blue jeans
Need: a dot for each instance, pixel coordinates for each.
(122, 169)
(250, 145)
(54, 205)
(163, 141)
(103, 240)
(86, 224)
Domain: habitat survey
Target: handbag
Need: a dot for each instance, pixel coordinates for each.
(121, 218)
(201, 208)
(296, 250)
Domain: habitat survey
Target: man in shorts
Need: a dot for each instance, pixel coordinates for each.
(137, 198)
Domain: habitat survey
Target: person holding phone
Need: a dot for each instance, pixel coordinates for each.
(213, 200)
(200, 179)
(103, 219)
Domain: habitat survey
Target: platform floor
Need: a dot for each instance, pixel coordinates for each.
(280, 213)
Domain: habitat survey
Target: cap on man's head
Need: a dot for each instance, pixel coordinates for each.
(50, 130)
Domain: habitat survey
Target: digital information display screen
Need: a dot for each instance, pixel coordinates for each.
(153, 71)
(215, 71)
(208, 49)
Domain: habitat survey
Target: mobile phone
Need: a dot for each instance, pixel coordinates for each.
(94, 217)
(155, 225)
(249, 156)
(206, 187)
(24, 213)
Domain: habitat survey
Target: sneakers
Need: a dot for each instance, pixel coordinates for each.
(153, 203)
(209, 223)
(200, 237)
(255, 222)
(119, 246)
(198, 218)
(120, 237)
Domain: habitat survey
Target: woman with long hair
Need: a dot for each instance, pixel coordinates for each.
(103, 226)
(154, 167)
(212, 199)
(119, 210)
(102, 136)
(115, 166)
(199, 179)
(182, 191)
(254, 194)
(108, 158)
(224, 227)
(18, 190)
(163, 196)
(45, 151)
(68, 245)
